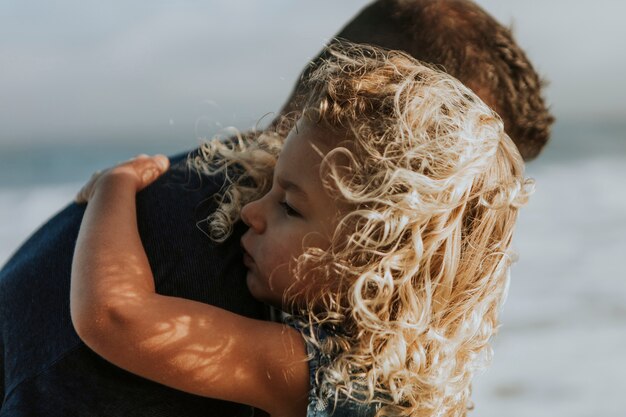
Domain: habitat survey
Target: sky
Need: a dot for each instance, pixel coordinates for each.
(88, 70)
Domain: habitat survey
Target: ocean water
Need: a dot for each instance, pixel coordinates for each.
(560, 348)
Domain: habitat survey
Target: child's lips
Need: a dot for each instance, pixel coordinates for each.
(247, 260)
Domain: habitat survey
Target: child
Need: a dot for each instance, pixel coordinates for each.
(383, 228)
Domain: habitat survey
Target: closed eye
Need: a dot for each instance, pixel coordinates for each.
(289, 210)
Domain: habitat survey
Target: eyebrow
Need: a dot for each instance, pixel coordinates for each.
(290, 186)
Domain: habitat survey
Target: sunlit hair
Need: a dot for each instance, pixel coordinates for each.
(466, 42)
(415, 273)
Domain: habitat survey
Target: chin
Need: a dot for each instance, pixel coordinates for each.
(253, 285)
(260, 292)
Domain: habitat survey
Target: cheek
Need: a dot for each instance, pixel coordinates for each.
(271, 278)
(273, 254)
(273, 261)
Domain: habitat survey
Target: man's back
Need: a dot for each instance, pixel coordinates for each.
(47, 368)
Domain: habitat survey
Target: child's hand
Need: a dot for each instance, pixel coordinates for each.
(140, 172)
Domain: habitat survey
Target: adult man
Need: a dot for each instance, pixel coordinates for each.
(48, 371)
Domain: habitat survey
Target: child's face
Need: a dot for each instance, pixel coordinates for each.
(297, 211)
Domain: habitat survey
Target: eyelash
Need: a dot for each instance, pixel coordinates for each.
(289, 210)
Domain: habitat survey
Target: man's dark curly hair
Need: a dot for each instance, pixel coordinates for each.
(465, 41)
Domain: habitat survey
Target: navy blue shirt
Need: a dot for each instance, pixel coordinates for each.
(45, 369)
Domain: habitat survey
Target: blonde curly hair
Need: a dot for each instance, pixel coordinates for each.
(415, 273)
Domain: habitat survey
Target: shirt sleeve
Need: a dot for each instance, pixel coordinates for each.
(323, 404)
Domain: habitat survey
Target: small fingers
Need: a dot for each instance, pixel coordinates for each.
(148, 168)
(143, 168)
(87, 190)
(80, 197)
(162, 161)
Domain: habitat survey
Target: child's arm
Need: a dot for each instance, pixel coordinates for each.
(184, 344)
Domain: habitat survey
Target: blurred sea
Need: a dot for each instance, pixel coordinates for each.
(560, 350)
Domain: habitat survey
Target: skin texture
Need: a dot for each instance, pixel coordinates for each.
(185, 344)
(288, 216)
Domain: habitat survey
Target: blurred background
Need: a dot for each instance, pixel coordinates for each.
(85, 84)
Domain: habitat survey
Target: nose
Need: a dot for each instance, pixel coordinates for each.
(252, 215)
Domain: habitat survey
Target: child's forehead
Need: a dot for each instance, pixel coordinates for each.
(319, 132)
(298, 174)
(306, 145)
